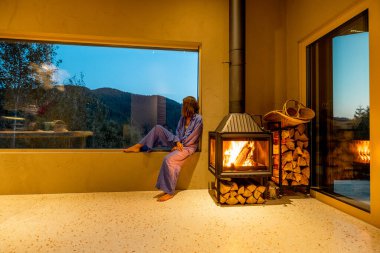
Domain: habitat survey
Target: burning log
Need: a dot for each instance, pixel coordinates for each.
(239, 155)
(244, 153)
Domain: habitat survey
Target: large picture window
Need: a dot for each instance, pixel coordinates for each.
(338, 83)
(95, 97)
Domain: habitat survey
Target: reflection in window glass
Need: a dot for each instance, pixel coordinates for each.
(74, 96)
(338, 83)
(351, 115)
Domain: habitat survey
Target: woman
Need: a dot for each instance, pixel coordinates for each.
(183, 143)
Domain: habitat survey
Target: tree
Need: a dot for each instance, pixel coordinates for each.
(26, 71)
(361, 119)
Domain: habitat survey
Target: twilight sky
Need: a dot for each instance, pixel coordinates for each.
(173, 74)
(350, 73)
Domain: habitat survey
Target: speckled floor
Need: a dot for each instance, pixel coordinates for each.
(190, 222)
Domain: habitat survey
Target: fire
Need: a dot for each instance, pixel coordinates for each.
(362, 151)
(238, 153)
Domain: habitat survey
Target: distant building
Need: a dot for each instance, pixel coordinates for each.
(147, 111)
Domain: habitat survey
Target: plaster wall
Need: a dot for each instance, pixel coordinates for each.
(194, 24)
(276, 31)
(307, 21)
(265, 55)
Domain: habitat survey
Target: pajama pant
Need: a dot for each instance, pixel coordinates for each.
(172, 163)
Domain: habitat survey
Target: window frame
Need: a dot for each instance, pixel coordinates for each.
(109, 41)
(328, 38)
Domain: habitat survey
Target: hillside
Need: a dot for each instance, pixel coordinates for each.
(119, 106)
(117, 102)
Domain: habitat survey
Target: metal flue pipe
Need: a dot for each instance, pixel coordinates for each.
(237, 56)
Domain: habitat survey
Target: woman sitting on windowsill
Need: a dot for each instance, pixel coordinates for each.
(183, 144)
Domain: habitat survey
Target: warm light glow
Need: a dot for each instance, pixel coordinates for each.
(362, 151)
(238, 153)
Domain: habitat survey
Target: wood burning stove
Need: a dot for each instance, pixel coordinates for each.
(239, 148)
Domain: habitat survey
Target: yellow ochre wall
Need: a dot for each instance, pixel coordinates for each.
(265, 55)
(167, 23)
(276, 30)
(307, 21)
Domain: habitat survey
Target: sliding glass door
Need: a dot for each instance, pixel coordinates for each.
(338, 90)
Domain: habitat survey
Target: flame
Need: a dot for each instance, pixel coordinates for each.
(362, 151)
(235, 151)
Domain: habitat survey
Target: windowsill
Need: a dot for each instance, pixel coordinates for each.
(166, 150)
(160, 149)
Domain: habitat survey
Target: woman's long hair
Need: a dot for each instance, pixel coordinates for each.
(190, 106)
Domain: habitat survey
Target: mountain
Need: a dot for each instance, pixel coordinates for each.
(119, 105)
(118, 102)
(103, 111)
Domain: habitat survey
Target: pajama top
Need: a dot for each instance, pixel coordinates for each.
(173, 162)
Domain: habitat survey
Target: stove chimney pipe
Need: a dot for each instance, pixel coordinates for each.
(237, 56)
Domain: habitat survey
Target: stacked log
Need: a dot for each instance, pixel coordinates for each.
(295, 158)
(241, 192)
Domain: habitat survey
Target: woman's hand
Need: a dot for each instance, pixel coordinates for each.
(178, 146)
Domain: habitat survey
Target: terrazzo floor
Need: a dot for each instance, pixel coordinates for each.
(190, 222)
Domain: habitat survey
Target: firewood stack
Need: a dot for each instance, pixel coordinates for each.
(241, 192)
(295, 158)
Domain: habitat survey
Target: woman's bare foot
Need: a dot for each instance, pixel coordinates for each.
(134, 149)
(159, 195)
(165, 197)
